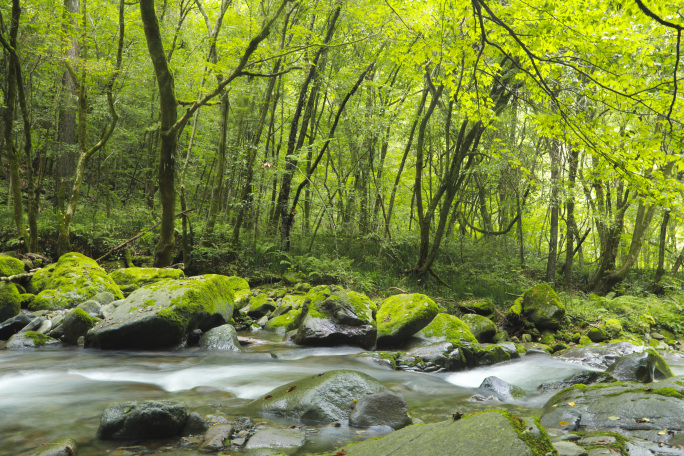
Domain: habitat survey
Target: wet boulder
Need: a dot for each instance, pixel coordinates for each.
(10, 301)
(597, 356)
(451, 356)
(325, 397)
(626, 407)
(222, 337)
(259, 306)
(13, 325)
(500, 389)
(286, 315)
(334, 316)
(216, 436)
(162, 314)
(488, 433)
(130, 279)
(241, 290)
(482, 328)
(142, 420)
(541, 306)
(401, 316)
(30, 339)
(643, 367)
(446, 327)
(586, 377)
(380, 409)
(73, 279)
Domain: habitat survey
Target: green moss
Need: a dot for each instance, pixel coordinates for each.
(401, 316)
(39, 339)
(149, 303)
(175, 318)
(287, 321)
(10, 266)
(81, 315)
(584, 340)
(540, 446)
(239, 286)
(667, 392)
(10, 301)
(447, 327)
(363, 307)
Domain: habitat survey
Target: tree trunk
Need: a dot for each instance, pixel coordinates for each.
(167, 102)
(571, 224)
(660, 270)
(554, 151)
(220, 169)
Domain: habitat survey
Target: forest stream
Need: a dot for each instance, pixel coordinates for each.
(48, 394)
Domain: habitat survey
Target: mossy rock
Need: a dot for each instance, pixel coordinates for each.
(494, 432)
(131, 279)
(30, 339)
(446, 327)
(241, 290)
(259, 306)
(326, 397)
(10, 301)
(482, 328)
(62, 447)
(161, 314)
(334, 316)
(291, 277)
(514, 314)
(401, 316)
(10, 266)
(76, 324)
(484, 308)
(74, 279)
(542, 307)
(284, 322)
(606, 330)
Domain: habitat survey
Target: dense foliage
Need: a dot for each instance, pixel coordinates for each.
(475, 145)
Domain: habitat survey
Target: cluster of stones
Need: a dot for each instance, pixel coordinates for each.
(75, 302)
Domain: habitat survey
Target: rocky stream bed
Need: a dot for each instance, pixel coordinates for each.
(148, 361)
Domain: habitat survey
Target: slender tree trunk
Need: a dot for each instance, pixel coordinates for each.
(660, 270)
(220, 169)
(571, 225)
(553, 226)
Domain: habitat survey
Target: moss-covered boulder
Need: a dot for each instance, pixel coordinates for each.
(484, 308)
(75, 324)
(642, 367)
(130, 279)
(482, 328)
(446, 327)
(10, 301)
(10, 266)
(542, 307)
(291, 277)
(606, 330)
(326, 397)
(451, 356)
(401, 316)
(161, 314)
(625, 407)
(489, 433)
(74, 279)
(284, 322)
(258, 306)
(334, 316)
(241, 290)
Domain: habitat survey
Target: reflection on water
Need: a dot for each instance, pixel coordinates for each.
(48, 394)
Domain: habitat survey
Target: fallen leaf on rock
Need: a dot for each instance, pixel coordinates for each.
(604, 442)
(268, 397)
(290, 389)
(571, 404)
(457, 416)
(613, 418)
(614, 451)
(564, 423)
(663, 432)
(643, 420)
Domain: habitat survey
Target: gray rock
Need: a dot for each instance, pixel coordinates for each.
(107, 310)
(27, 338)
(594, 356)
(325, 397)
(287, 439)
(621, 407)
(61, 447)
(569, 449)
(92, 307)
(216, 436)
(13, 325)
(75, 324)
(195, 425)
(586, 377)
(222, 337)
(161, 314)
(488, 433)
(635, 367)
(142, 420)
(333, 316)
(501, 389)
(104, 298)
(380, 409)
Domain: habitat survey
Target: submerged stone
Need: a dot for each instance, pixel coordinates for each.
(142, 420)
(380, 409)
(62, 447)
(222, 337)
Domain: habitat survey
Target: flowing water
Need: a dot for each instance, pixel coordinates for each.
(49, 394)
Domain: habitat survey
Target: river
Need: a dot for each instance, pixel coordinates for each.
(53, 393)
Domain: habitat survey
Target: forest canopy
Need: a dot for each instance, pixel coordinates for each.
(542, 137)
